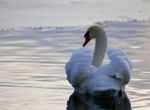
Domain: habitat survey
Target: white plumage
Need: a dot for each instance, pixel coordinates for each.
(87, 78)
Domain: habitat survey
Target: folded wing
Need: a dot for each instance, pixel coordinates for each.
(121, 65)
(77, 66)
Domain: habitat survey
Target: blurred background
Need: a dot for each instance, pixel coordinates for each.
(31, 13)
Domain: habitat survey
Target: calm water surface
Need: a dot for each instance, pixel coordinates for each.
(32, 74)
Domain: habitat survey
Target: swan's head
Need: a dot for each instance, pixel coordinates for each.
(93, 32)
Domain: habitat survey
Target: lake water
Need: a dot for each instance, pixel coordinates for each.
(32, 74)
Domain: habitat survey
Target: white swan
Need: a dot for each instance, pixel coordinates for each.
(85, 71)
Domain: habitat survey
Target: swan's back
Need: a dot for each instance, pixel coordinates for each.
(110, 77)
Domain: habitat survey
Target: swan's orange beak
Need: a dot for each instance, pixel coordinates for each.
(87, 38)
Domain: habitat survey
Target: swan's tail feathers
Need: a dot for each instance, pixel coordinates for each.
(120, 63)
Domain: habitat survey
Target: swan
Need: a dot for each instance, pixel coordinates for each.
(86, 73)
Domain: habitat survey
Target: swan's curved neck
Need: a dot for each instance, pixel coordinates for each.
(100, 49)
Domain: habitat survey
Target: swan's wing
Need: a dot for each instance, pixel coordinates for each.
(120, 65)
(76, 68)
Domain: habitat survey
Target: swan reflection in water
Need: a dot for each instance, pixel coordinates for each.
(88, 102)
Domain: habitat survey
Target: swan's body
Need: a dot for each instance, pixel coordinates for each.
(86, 73)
